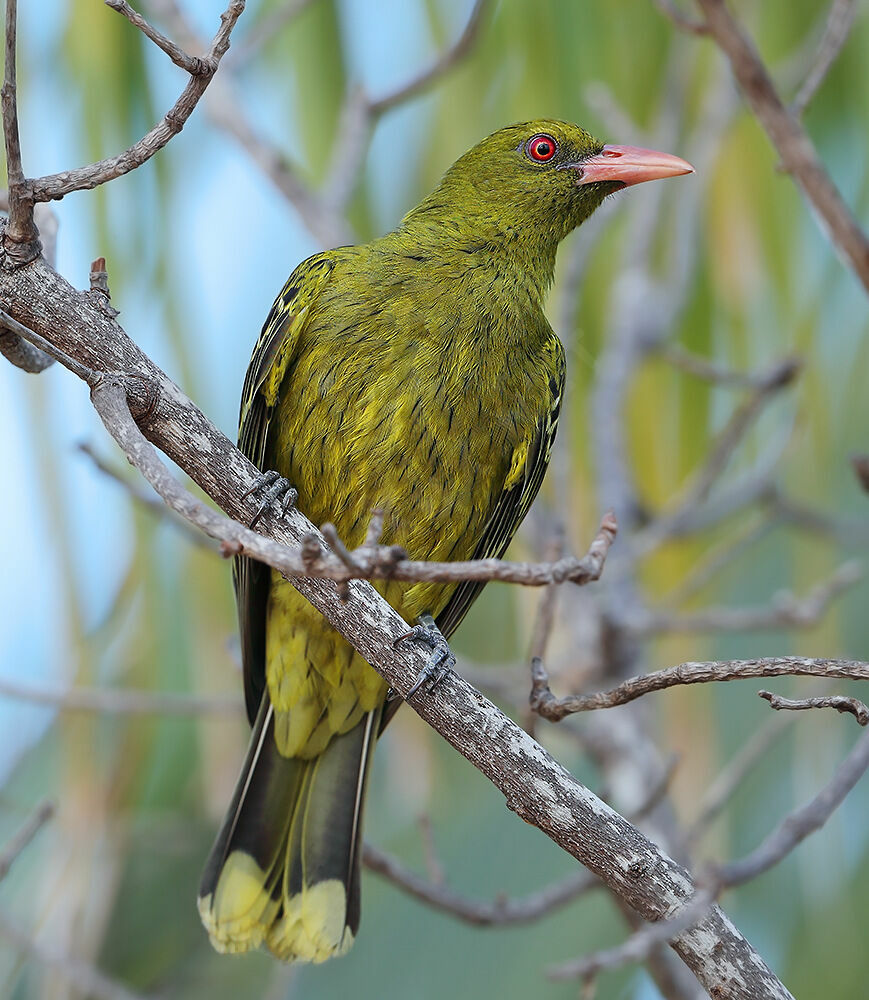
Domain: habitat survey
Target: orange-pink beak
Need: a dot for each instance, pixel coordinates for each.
(630, 165)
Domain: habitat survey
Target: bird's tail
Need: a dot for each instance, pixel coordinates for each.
(284, 869)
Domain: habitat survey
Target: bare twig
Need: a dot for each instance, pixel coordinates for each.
(61, 184)
(266, 28)
(755, 486)
(21, 231)
(713, 562)
(849, 531)
(795, 827)
(35, 822)
(86, 374)
(779, 377)
(329, 227)
(638, 946)
(545, 618)
(860, 464)
(839, 23)
(432, 862)
(86, 980)
(146, 498)
(712, 371)
(360, 113)
(116, 701)
(785, 611)
(438, 68)
(705, 672)
(840, 702)
(544, 621)
(354, 132)
(501, 911)
(190, 64)
(374, 531)
(722, 789)
(693, 498)
(678, 16)
(796, 150)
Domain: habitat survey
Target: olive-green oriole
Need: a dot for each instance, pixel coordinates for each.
(417, 374)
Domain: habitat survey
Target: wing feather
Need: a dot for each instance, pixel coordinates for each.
(272, 357)
(512, 504)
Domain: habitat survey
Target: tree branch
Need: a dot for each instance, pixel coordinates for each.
(721, 790)
(535, 786)
(796, 150)
(117, 701)
(860, 464)
(146, 499)
(190, 64)
(37, 820)
(839, 24)
(765, 386)
(21, 231)
(380, 105)
(785, 611)
(501, 912)
(86, 980)
(638, 947)
(55, 186)
(680, 18)
(719, 374)
(840, 702)
(704, 672)
(265, 29)
(795, 827)
(16, 350)
(361, 113)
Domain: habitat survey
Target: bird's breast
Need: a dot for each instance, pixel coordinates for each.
(424, 428)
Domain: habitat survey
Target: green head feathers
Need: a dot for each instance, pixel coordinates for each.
(526, 186)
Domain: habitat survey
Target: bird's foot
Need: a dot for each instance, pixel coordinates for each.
(271, 487)
(441, 661)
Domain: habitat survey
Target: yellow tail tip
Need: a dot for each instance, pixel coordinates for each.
(240, 911)
(312, 927)
(241, 915)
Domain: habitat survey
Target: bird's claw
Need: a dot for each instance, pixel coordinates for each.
(272, 487)
(441, 661)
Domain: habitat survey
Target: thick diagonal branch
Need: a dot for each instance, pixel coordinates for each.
(534, 785)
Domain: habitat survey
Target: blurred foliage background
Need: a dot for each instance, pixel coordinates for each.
(99, 593)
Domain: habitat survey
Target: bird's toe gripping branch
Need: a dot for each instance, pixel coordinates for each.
(441, 661)
(271, 487)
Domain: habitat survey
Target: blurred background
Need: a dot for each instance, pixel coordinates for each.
(101, 595)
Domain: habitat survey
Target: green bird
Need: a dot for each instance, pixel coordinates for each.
(417, 374)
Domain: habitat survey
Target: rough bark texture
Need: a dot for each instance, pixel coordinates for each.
(535, 786)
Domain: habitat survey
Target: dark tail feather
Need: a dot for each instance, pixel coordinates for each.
(285, 866)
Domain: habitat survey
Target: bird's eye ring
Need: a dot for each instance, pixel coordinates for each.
(541, 148)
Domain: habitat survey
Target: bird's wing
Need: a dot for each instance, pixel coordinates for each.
(272, 356)
(512, 504)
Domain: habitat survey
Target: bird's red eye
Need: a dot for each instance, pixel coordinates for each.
(541, 148)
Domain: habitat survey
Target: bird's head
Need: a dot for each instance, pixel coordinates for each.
(538, 180)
